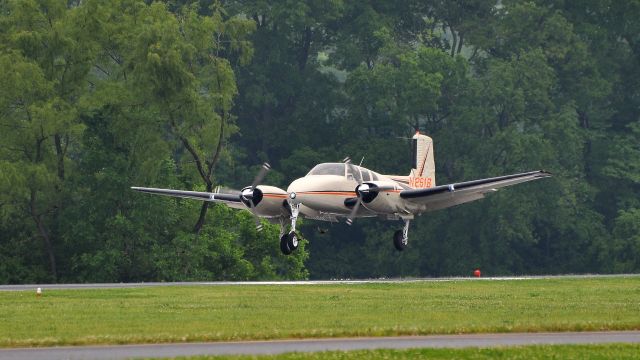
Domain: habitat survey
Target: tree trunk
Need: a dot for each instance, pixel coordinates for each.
(37, 218)
(455, 41)
(460, 43)
(60, 155)
(210, 164)
(203, 214)
(584, 119)
(306, 45)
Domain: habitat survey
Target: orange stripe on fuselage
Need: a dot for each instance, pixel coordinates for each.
(275, 196)
(339, 193)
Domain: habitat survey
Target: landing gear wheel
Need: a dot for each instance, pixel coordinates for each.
(398, 241)
(284, 244)
(292, 240)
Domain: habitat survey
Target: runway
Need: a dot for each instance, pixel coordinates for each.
(301, 282)
(310, 345)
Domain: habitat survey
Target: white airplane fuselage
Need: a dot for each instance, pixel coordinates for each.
(329, 194)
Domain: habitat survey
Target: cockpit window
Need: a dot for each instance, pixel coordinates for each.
(328, 169)
(350, 174)
(365, 174)
(361, 173)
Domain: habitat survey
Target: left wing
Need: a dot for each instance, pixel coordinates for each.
(445, 196)
(230, 200)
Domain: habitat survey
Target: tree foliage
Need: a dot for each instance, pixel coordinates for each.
(98, 96)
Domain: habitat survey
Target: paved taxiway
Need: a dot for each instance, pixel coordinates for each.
(282, 346)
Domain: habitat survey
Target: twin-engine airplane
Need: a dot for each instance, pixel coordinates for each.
(343, 190)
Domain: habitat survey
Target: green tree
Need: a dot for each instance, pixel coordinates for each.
(46, 54)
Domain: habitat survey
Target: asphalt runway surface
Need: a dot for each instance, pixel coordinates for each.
(302, 282)
(309, 345)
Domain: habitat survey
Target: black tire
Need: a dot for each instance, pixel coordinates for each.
(284, 246)
(292, 241)
(397, 241)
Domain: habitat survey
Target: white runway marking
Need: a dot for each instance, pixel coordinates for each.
(300, 282)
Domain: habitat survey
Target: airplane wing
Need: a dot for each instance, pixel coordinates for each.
(231, 200)
(445, 196)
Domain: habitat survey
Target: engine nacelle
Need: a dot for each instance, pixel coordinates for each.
(268, 201)
(380, 196)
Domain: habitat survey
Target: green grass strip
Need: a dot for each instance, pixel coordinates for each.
(210, 313)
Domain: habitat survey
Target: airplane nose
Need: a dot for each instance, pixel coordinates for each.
(323, 193)
(295, 187)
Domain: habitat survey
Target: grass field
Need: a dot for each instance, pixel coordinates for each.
(578, 352)
(203, 313)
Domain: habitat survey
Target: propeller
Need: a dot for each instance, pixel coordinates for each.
(356, 175)
(251, 194)
(261, 174)
(364, 191)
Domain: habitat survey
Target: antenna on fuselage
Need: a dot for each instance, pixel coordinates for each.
(361, 161)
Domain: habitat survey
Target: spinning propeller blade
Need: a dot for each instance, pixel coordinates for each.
(354, 211)
(261, 174)
(356, 175)
(256, 217)
(249, 195)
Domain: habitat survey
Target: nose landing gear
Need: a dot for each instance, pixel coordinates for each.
(289, 241)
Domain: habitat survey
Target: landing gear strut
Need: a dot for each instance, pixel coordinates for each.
(401, 237)
(289, 241)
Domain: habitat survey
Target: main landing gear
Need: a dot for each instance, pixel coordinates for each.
(289, 241)
(401, 237)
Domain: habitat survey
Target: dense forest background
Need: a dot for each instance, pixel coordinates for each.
(100, 95)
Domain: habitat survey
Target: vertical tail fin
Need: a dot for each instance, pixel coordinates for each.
(423, 172)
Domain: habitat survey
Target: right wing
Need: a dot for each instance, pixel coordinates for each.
(445, 196)
(230, 200)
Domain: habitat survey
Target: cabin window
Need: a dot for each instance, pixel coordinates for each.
(365, 175)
